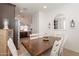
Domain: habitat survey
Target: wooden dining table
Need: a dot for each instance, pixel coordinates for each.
(36, 47)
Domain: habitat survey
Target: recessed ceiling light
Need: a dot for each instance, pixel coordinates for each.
(44, 6)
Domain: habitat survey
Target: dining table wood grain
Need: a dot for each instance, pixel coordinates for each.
(36, 47)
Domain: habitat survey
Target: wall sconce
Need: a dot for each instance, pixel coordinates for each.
(49, 25)
(72, 24)
(5, 23)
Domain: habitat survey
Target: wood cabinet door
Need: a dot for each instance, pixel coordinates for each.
(3, 47)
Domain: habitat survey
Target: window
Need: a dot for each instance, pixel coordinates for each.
(59, 21)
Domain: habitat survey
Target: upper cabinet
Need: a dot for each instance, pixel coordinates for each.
(7, 11)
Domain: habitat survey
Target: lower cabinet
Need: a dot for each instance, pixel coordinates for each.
(5, 34)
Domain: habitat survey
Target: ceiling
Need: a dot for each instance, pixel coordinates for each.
(30, 8)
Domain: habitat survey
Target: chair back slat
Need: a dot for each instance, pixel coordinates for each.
(56, 48)
(12, 47)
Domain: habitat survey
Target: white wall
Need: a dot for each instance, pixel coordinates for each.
(35, 23)
(40, 22)
(71, 11)
(43, 22)
(71, 35)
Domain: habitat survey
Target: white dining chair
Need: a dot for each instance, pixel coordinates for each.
(61, 35)
(34, 36)
(41, 35)
(13, 49)
(62, 46)
(56, 48)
